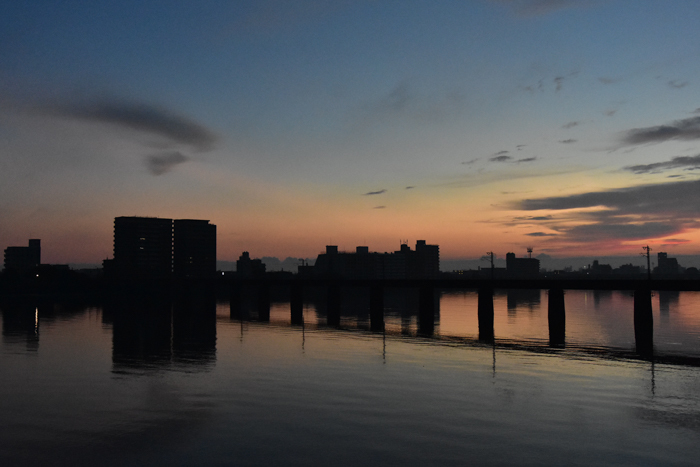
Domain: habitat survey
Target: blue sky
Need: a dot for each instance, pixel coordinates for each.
(478, 125)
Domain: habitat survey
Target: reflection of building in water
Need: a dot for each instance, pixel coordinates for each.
(600, 296)
(421, 263)
(156, 333)
(525, 298)
(522, 267)
(23, 258)
(20, 324)
(668, 299)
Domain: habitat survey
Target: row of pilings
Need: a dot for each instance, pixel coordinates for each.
(556, 314)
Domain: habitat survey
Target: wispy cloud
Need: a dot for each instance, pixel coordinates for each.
(470, 162)
(539, 7)
(534, 218)
(140, 117)
(158, 164)
(526, 159)
(541, 234)
(500, 159)
(568, 141)
(685, 129)
(675, 84)
(379, 207)
(371, 193)
(675, 241)
(687, 162)
(570, 125)
(409, 188)
(405, 102)
(606, 80)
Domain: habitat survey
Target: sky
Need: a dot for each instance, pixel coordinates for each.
(568, 126)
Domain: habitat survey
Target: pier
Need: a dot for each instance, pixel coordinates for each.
(428, 298)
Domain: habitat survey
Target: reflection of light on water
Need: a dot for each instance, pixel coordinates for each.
(36, 321)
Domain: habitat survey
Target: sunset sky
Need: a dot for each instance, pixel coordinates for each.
(572, 126)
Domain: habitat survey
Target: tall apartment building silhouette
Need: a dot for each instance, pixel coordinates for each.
(143, 247)
(194, 249)
(156, 248)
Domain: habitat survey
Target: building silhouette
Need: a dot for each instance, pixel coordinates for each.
(421, 263)
(152, 248)
(194, 249)
(247, 267)
(522, 267)
(143, 247)
(23, 258)
(666, 266)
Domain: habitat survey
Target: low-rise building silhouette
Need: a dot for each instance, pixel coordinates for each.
(23, 258)
(666, 266)
(247, 267)
(421, 263)
(522, 267)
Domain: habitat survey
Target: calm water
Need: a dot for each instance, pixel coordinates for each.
(149, 384)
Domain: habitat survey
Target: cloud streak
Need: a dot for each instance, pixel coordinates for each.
(159, 164)
(140, 117)
(635, 213)
(372, 193)
(684, 129)
(686, 162)
(538, 7)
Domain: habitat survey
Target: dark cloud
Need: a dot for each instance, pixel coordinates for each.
(159, 164)
(378, 192)
(140, 117)
(676, 240)
(470, 162)
(646, 211)
(527, 159)
(534, 218)
(559, 80)
(519, 147)
(541, 234)
(409, 187)
(500, 159)
(623, 231)
(675, 84)
(675, 197)
(685, 129)
(569, 125)
(379, 207)
(568, 141)
(688, 162)
(500, 153)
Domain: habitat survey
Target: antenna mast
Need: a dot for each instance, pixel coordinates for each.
(648, 250)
